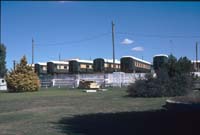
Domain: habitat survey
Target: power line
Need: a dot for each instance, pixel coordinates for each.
(157, 36)
(75, 41)
(69, 43)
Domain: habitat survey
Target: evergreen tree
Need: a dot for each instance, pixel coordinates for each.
(22, 78)
(3, 69)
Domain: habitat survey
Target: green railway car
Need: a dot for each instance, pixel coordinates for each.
(80, 66)
(105, 65)
(40, 68)
(57, 67)
(130, 64)
(159, 61)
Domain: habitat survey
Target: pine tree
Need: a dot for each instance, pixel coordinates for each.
(22, 78)
(3, 69)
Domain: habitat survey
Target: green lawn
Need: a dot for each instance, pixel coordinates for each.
(42, 113)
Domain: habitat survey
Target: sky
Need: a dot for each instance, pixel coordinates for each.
(83, 29)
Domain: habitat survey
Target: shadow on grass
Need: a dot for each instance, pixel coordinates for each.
(160, 122)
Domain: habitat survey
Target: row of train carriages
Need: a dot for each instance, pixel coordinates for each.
(127, 64)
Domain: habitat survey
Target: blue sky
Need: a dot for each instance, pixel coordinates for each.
(83, 29)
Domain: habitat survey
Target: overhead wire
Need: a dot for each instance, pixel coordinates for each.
(68, 43)
(74, 41)
(157, 36)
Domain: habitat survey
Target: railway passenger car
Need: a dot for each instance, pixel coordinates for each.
(130, 64)
(159, 60)
(101, 65)
(195, 65)
(57, 67)
(80, 66)
(40, 68)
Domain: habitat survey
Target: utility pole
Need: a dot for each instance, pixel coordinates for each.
(113, 44)
(14, 64)
(32, 52)
(197, 56)
(59, 57)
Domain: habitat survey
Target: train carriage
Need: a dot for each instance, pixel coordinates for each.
(130, 64)
(80, 66)
(57, 67)
(105, 65)
(40, 68)
(159, 60)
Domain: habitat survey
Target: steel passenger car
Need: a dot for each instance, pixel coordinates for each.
(40, 68)
(80, 66)
(57, 67)
(130, 64)
(105, 65)
(159, 60)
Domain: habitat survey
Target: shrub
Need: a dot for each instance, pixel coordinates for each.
(156, 87)
(173, 79)
(22, 78)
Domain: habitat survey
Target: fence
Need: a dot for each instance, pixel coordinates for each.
(116, 79)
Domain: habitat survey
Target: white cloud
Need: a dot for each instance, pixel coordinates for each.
(127, 41)
(138, 49)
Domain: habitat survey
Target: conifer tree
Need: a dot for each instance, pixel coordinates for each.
(23, 78)
(3, 69)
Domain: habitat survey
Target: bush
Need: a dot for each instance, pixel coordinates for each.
(23, 78)
(173, 79)
(156, 87)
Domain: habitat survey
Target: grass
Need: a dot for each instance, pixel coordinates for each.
(55, 111)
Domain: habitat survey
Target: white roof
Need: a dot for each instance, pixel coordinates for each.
(195, 61)
(78, 60)
(31, 65)
(160, 55)
(111, 61)
(60, 62)
(137, 59)
(84, 61)
(42, 63)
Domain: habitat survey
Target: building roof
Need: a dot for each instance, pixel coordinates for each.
(84, 61)
(42, 63)
(137, 59)
(194, 61)
(157, 55)
(78, 60)
(111, 61)
(59, 62)
(32, 65)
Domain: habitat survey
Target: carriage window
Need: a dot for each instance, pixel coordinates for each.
(105, 65)
(82, 66)
(44, 68)
(90, 66)
(2, 81)
(62, 67)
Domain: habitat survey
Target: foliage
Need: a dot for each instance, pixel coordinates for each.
(3, 69)
(173, 79)
(22, 78)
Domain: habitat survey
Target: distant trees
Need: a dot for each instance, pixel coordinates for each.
(23, 78)
(173, 79)
(3, 69)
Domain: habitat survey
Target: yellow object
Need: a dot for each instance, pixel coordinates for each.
(88, 85)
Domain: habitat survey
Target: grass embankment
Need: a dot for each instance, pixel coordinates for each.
(39, 113)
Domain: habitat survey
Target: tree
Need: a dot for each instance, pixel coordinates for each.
(22, 78)
(173, 79)
(3, 69)
(184, 65)
(171, 65)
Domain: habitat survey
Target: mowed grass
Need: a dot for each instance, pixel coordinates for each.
(39, 113)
